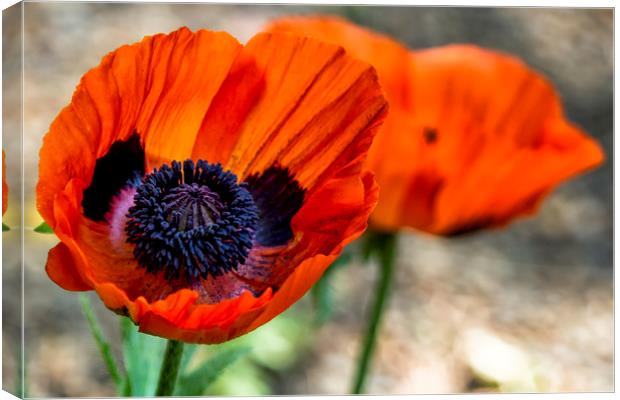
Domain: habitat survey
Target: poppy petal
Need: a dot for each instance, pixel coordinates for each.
(316, 103)
(104, 109)
(506, 148)
(383, 52)
(61, 269)
(179, 316)
(238, 94)
(188, 73)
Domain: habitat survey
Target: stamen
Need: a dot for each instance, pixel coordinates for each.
(191, 220)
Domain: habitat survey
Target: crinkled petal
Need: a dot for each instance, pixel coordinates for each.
(383, 52)
(190, 71)
(317, 106)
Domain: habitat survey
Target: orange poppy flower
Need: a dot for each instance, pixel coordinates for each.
(200, 186)
(474, 137)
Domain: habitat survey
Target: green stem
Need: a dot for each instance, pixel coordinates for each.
(104, 347)
(169, 368)
(385, 245)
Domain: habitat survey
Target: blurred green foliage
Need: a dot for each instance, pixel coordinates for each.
(275, 347)
(238, 367)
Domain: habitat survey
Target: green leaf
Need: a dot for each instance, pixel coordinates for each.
(103, 345)
(197, 381)
(43, 228)
(5, 227)
(143, 356)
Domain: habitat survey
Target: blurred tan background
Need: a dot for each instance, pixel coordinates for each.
(528, 308)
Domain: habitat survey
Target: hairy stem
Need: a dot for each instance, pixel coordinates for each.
(169, 368)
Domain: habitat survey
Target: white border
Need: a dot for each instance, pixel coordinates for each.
(472, 3)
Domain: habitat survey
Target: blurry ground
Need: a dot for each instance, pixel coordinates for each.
(528, 308)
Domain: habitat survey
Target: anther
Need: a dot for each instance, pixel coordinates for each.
(191, 220)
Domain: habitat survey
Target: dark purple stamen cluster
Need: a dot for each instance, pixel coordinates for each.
(191, 220)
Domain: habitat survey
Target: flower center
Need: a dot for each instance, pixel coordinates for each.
(191, 220)
(192, 206)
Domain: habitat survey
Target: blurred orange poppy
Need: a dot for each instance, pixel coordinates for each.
(474, 137)
(200, 186)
